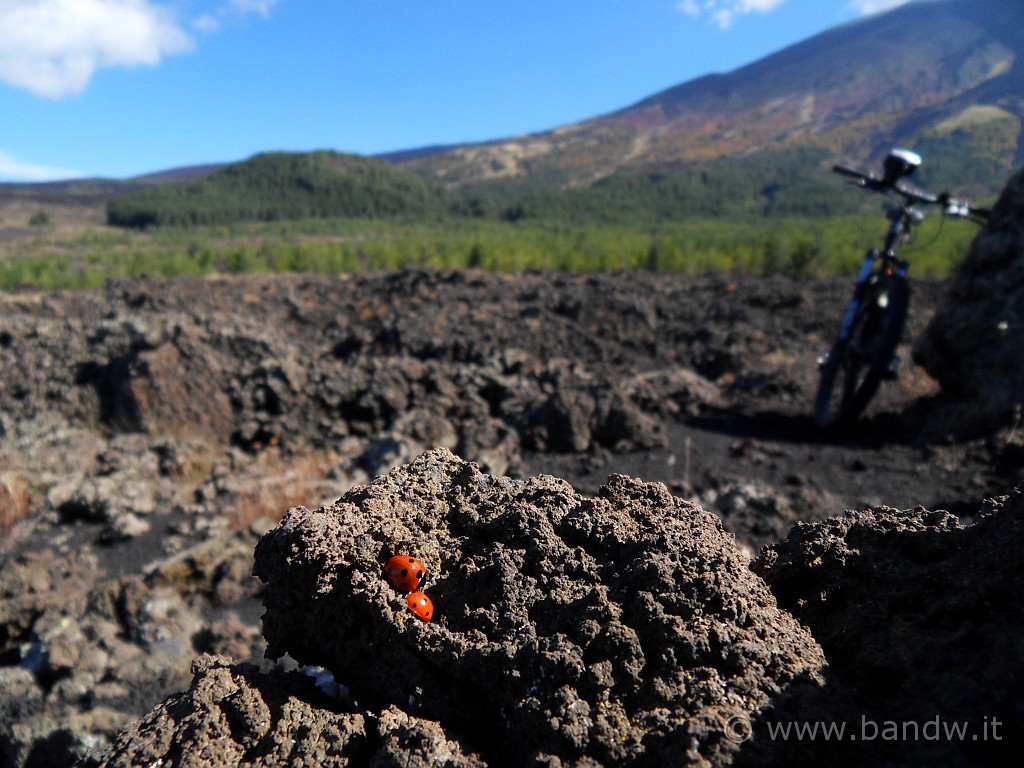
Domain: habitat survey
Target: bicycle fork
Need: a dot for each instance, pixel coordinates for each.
(859, 289)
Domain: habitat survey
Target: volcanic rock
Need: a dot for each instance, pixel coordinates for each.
(231, 715)
(921, 621)
(973, 344)
(152, 430)
(85, 653)
(625, 628)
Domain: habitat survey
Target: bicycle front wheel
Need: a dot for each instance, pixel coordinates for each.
(857, 363)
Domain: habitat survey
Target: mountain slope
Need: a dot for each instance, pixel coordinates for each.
(925, 70)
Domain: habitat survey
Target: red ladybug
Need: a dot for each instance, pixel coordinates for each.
(405, 572)
(421, 605)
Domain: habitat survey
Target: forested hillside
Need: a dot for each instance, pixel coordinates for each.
(280, 186)
(793, 182)
(770, 183)
(284, 186)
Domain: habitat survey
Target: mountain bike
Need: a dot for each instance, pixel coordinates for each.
(864, 351)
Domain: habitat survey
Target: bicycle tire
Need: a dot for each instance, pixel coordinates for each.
(855, 365)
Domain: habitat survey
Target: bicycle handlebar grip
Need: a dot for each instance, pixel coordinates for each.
(844, 170)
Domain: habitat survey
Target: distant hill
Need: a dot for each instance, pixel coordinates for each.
(281, 186)
(404, 155)
(175, 175)
(75, 191)
(945, 76)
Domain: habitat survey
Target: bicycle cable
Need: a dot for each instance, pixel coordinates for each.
(938, 232)
(913, 246)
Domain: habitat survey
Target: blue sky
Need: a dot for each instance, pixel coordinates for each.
(119, 88)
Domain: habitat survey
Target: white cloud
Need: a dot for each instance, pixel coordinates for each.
(212, 21)
(54, 47)
(866, 7)
(723, 12)
(261, 7)
(16, 170)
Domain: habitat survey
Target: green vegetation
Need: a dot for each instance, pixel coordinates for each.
(774, 212)
(795, 246)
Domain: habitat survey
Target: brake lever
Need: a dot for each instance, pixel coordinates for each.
(952, 207)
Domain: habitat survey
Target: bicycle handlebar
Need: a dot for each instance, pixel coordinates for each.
(950, 206)
(845, 170)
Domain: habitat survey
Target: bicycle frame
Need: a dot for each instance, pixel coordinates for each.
(901, 220)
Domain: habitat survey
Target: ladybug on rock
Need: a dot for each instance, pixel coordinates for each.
(421, 605)
(405, 572)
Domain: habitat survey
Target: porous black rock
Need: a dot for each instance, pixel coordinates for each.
(972, 345)
(625, 628)
(921, 621)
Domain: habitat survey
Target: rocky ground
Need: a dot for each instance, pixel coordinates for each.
(151, 432)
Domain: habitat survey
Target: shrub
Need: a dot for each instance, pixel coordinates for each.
(39, 219)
